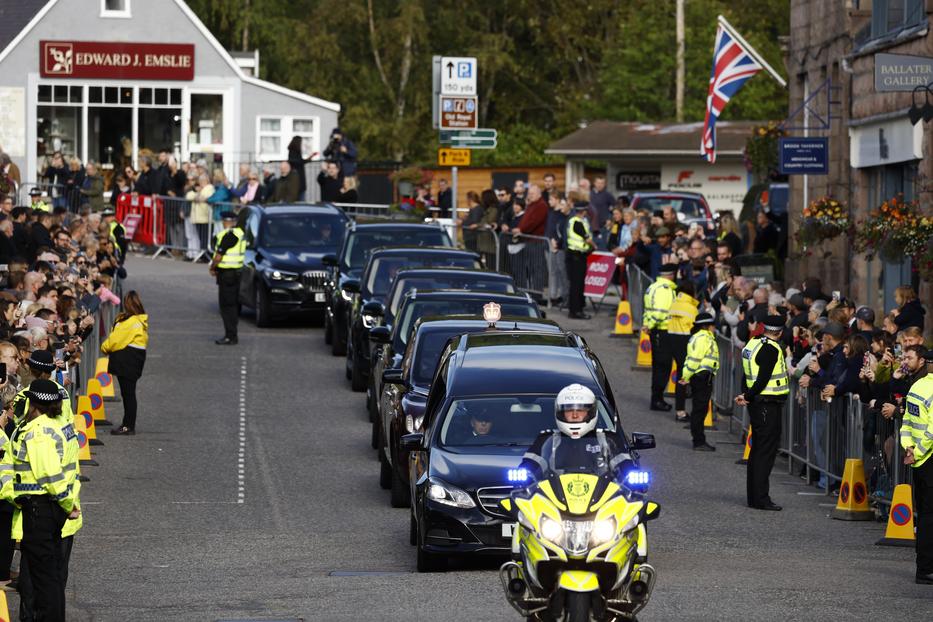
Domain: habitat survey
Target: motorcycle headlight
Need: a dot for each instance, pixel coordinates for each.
(603, 531)
(442, 492)
(551, 530)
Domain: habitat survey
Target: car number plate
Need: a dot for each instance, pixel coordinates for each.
(319, 297)
(508, 529)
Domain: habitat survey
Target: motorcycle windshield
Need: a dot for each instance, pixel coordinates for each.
(585, 455)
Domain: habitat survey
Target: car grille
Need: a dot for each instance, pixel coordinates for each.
(314, 280)
(489, 499)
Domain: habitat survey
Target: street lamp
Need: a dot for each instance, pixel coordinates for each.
(925, 112)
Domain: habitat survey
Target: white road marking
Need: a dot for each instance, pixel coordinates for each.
(241, 450)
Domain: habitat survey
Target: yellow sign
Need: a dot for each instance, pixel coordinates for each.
(453, 157)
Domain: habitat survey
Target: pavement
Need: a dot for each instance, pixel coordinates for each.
(250, 492)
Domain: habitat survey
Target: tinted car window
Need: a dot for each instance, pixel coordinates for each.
(510, 420)
(690, 208)
(384, 269)
(428, 355)
(320, 231)
(418, 309)
(362, 242)
(472, 283)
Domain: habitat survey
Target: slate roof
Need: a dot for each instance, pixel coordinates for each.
(14, 15)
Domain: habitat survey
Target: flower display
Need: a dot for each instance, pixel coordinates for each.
(823, 219)
(761, 150)
(897, 230)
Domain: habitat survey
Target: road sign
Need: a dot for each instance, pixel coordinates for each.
(458, 113)
(474, 143)
(458, 75)
(803, 156)
(453, 157)
(448, 136)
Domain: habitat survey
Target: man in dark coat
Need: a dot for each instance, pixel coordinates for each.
(342, 152)
(331, 181)
(39, 237)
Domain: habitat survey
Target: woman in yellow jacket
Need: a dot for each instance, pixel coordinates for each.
(683, 312)
(126, 347)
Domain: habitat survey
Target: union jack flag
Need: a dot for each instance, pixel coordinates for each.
(732, 66)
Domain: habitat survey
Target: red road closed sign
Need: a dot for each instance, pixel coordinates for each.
(600, 267)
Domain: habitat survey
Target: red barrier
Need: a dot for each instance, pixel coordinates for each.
(147, 207)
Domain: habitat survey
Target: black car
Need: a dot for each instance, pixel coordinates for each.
(418, 304)
(405, 390)
(346, 265)
(458, 474)
(366, 309)
(283, 270)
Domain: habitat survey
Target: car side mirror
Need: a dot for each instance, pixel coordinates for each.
(373, 308)
(351, 286)
(392, 376)
(329, 260)
(640, 440)
(380, 334)
(412, 442)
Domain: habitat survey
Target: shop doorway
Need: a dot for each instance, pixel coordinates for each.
(110, 133)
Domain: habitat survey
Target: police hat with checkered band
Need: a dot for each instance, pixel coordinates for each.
(43, 392)
(41, 360)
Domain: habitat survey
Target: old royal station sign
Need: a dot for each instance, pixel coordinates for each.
(140, 61)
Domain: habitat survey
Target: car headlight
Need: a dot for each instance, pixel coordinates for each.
(281, 275)
(369, 321)
(348, 298)
(551, 530)
(603, 531)
(442, 492)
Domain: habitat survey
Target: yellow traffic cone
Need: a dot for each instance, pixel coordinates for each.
(104, 378)
(4, 608)
(671, 381)
(97, 401)
(853, 495)
(708, 423)
(84, 411)
(623, 327)
(84, 447)
(643, 355)
(748, 447)
(900, 530)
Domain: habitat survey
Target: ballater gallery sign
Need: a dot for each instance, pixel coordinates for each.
(139, 61)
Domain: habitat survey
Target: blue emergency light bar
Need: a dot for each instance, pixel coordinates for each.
(638, 478)
(517, 475)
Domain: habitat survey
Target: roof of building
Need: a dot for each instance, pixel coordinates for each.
(14, 16)
(613, 138)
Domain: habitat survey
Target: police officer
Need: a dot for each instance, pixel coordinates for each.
(42, 365)
(657, 315)
(45, 494)
(700, 367)
(229, 251)
(579, 246)
(116, 231)
(576, 444)
(766, 390)
(917, 441)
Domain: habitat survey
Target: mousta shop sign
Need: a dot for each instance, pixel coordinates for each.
(141, 61)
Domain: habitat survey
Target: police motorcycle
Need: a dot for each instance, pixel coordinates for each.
(580, 544)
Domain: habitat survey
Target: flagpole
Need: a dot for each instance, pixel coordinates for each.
(752, 52)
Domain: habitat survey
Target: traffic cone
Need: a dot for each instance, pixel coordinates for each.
(84, 412)
(84, 447)
(105, 379)
(623, 327)
(643, 354)
(900, 529)
(708, 423)
(748, 447)
(4, 608)
(671, 381)
(853, 495)
(97, 402)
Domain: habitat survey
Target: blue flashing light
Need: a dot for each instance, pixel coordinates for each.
(638, 478)
(518, 475)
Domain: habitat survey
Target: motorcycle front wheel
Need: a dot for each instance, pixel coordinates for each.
(577, 607)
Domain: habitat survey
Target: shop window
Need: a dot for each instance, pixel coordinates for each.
(270, 138)
(207, 119)
(115, 8)
(95, 94)
(58, 129)
(892, 16)
(305, 129)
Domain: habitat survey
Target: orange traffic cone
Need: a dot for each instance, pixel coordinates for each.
(748, 447)
(97, 401)
(643, 355)
(84, 447)
(84, 411)
(623, 327)
(671, 381)
(853, 495)
(4, 608)
(104, 378)
(708, 423)
(900, 529)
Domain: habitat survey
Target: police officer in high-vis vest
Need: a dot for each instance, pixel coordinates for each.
(42, 365)
(229, 252)
(766, 389)
(917, 441)
(116, 231)
(47, 496)
(655, 319)
(700, 368)
(579, 246)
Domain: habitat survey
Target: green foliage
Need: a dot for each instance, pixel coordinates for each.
(545, 65)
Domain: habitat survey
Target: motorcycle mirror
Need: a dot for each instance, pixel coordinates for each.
(652, 511)
(372, 308)
(640, 440)
(351, 286)
(507, 504)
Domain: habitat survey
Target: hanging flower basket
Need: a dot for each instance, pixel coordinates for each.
(824, 219)
(897, 230)
(761, 151)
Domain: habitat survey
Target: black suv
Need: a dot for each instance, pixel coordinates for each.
(283, 270)
(346, 265)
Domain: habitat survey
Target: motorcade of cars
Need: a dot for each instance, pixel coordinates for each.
(416, 304)
(690, 207)
(366, 309)
(283, 267)
(491, 396)
(405, 387)
(345, 266)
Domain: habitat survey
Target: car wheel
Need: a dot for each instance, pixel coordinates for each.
(328, 330)
(357, 373)
(385, 472)
(398, 494)
(262, 306)
(412, 530)
(429, 562)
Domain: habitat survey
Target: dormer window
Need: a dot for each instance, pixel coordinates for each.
(115, 8)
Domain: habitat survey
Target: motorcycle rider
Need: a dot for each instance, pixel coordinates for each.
(576, 445)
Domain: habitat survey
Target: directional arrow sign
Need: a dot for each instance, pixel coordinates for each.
(474, 143)
(458, 75)
(446, 136)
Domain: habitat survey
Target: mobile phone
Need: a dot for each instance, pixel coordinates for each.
(837, 295)
(898, 350)
(2, 373)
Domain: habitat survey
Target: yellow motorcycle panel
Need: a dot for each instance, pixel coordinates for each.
(579, 581)
(578, 490)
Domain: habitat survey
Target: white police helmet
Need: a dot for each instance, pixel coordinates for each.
(575, 397)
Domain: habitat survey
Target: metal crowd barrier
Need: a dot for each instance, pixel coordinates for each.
(525, 258)
(54, 195)
(81, 372)
(638, 283)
